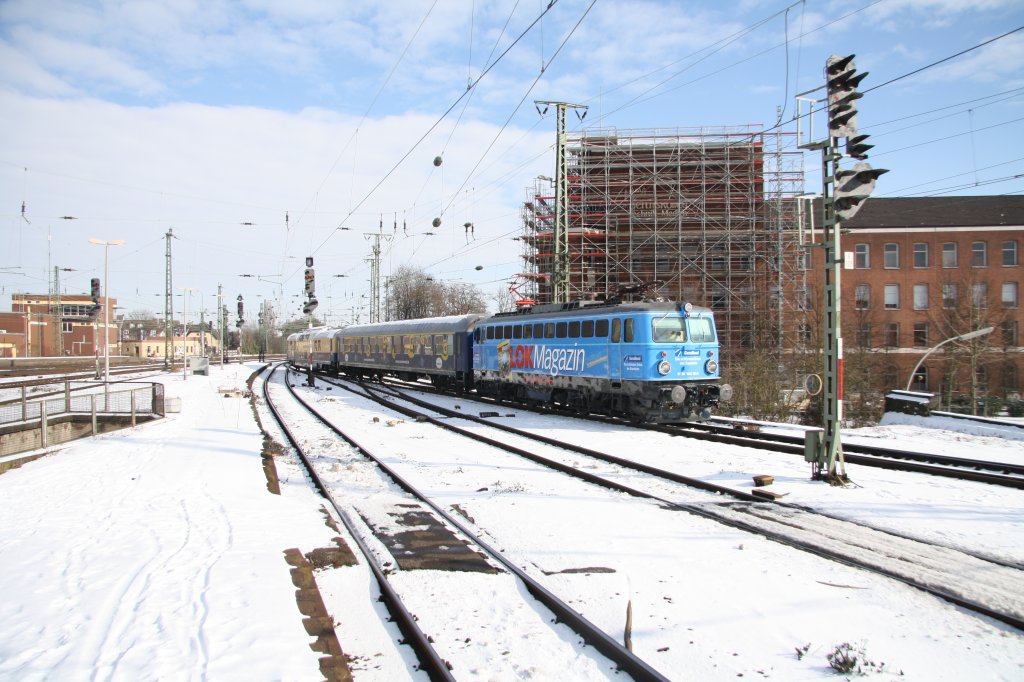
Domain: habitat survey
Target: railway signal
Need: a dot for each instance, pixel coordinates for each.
(94, 293)
(853, 187)
(241, 311)
(842, 80)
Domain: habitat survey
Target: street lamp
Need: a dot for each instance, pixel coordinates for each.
(106, 244)
(963, 337)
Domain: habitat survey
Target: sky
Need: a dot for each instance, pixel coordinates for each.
(157, 552)
(262, 133)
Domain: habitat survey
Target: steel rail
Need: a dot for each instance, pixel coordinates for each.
(623, 658)
(430, 662)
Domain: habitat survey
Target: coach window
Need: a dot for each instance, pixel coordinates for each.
(549, 330)
(538, 330)
(628, 335)
(490, 333)
(517, 331)
(527, 331)
(508, 332)
(574, 329)
(587, 330)
(601, 329)
(616, 330)
(560, 330)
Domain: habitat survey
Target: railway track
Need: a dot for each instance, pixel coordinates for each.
(981, 584)
(459, 543)
(963, 468)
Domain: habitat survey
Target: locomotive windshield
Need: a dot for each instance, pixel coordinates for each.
(701, 329)
(669, 330)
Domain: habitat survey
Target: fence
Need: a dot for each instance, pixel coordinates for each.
(30, 424)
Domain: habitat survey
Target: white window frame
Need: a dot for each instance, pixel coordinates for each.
(891, 256)
(892, 297)
(921, 296)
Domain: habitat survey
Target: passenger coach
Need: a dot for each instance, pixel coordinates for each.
(438, 348)
(655, 362)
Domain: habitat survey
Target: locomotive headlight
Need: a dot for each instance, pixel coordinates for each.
(725, 392)
(710, 366)
(664, 367)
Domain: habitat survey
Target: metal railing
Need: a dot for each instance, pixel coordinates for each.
(128, 399)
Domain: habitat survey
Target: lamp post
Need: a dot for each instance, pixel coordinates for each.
(106, 244)
(963, 337)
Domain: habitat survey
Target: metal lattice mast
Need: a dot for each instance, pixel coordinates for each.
(561, 277)
(374, 262)
(168, 299)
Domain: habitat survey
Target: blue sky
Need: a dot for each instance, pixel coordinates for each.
(136, 117)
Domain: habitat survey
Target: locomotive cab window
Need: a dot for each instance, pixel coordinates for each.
(490, 333)
(668, 330)
(701, 330)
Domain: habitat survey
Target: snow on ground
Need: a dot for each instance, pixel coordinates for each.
(156, 553)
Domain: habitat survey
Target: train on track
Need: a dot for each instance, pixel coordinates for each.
(652, 362)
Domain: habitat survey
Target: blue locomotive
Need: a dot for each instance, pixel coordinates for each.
(653, 362)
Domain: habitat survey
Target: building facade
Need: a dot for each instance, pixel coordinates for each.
(921, 271)
(39, 326)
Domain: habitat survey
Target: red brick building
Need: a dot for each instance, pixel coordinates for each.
(36, 328)
(919, 271)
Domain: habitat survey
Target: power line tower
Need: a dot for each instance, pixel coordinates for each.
(560, 276)
(168, 307)
(374, 261)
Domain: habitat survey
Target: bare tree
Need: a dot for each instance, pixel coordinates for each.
(414, 294)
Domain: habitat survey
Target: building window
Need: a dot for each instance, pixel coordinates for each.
(949, 255)
(864, 336)
(979, 254)
(949, 295)
(892, 334)
(862, 297)
(892, 296)
(920, 297)
(65, 327)
(921, 334)
(1010, 252)
(1010, 337)
(920, 255)
(979, 295)
(891, 255)
(920, 381)
(862, 256)
(1009, 294)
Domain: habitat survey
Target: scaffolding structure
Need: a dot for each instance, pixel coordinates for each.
(706, 215)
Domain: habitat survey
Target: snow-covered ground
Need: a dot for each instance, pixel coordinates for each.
(157, 553)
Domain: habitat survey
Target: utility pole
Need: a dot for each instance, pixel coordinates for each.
(560, 275)
(222, 320)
